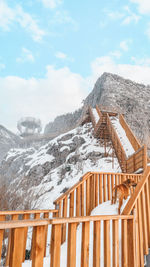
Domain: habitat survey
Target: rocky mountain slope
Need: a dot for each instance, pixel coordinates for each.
(114, 92)
(41, 175)
(7, 141)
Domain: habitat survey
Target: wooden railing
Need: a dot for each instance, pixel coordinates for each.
(137, 161)
(11, 216)
(132, 138)
(84, 196)
(140, 203)
(84, 247)
(119, 150)
(94, 228)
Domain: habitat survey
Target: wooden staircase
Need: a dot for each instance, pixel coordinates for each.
(105, 240)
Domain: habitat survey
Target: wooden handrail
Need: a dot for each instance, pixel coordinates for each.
(131, 203)
(23, 212)
(132, 138)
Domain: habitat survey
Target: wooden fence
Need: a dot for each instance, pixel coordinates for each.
(137, 161)
(10, 216)
(140, 203)
(132, 138)
(119, 150)
(84, 232)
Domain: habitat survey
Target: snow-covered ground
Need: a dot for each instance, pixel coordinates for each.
(103, 209)
(79, 153)
(96, 115)
(128, 148)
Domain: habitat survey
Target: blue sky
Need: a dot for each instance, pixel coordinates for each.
(52, 52)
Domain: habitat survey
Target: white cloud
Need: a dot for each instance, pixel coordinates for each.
(61, 55)
(62, 17)
(26, 56)
(59, 92)
(143, 5)
(51, 3)
(125, 15)
(141, 61)
(8, 16)
(124, 45)
(116, 54)
(135, 72)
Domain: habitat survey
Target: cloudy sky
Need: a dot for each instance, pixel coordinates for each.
(52, 52)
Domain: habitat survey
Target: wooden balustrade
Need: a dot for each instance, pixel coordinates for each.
(119, 150)
(138, 160)
(132, 138)
(10, 216)
(140, 203)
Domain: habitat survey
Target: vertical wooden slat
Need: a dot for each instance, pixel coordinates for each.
(82, 199)
(112, 183)
(87, 197)
(137, 238)
(115, 227)
(100, 188)
(46, 216)
(78, 201)
(25, 217)
(14, 217)
(93, 191)
(96, 190)
(96, 244)
(85, 244)
(131, 242)
(36, 216)
(139, 214)
(144, 223)
(108, 187)
(107, 243)
(17, 246)
(38, 246)
(2, 218)
(63, 237)
(71, 251)
(124, 244)
(55, 248)
(147, 199)
(71, 208)
(104, 187)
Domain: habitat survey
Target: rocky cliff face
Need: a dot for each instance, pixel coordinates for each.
(7, 141)
(114, 92)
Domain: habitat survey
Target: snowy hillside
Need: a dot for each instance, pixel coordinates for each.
(53, 168)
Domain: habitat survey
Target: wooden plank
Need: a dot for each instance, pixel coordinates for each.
(9, 248)
(131, 243)
(88, 197)
(124, 244)
(100, 188)
(36, 216)
(55, 248)
(115, 227)
(78, 201)
(65, 201)
(147, 199)
(108, 187)
(144, 223)
(104, 187)
(2, 218)
(17, 246)
(137, 238)
(85, 244)
(38, 246)
(112, 183)
(25, 217)
(46, 216)
(71, 208)
(139, 217)
(71, 247)
(96, 190)
(107, 255)
(82, 199)
(96, 244)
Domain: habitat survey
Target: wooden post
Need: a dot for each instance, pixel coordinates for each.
(36, 216)
(100, 188)
(38, 246)
(82, 199)
(85, 244)
(107, 243)
(131, 242)
(96, 244)
(71, 251)
(115, 227)
(63, 237)
(25, 217)
(46, 216)
(2, 218)
(56, 243)
(71, 211)
(17, 246)
(88, 197)
(124, 244)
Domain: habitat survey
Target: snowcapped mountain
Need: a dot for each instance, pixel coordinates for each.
(7, 141)
(53, 168)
